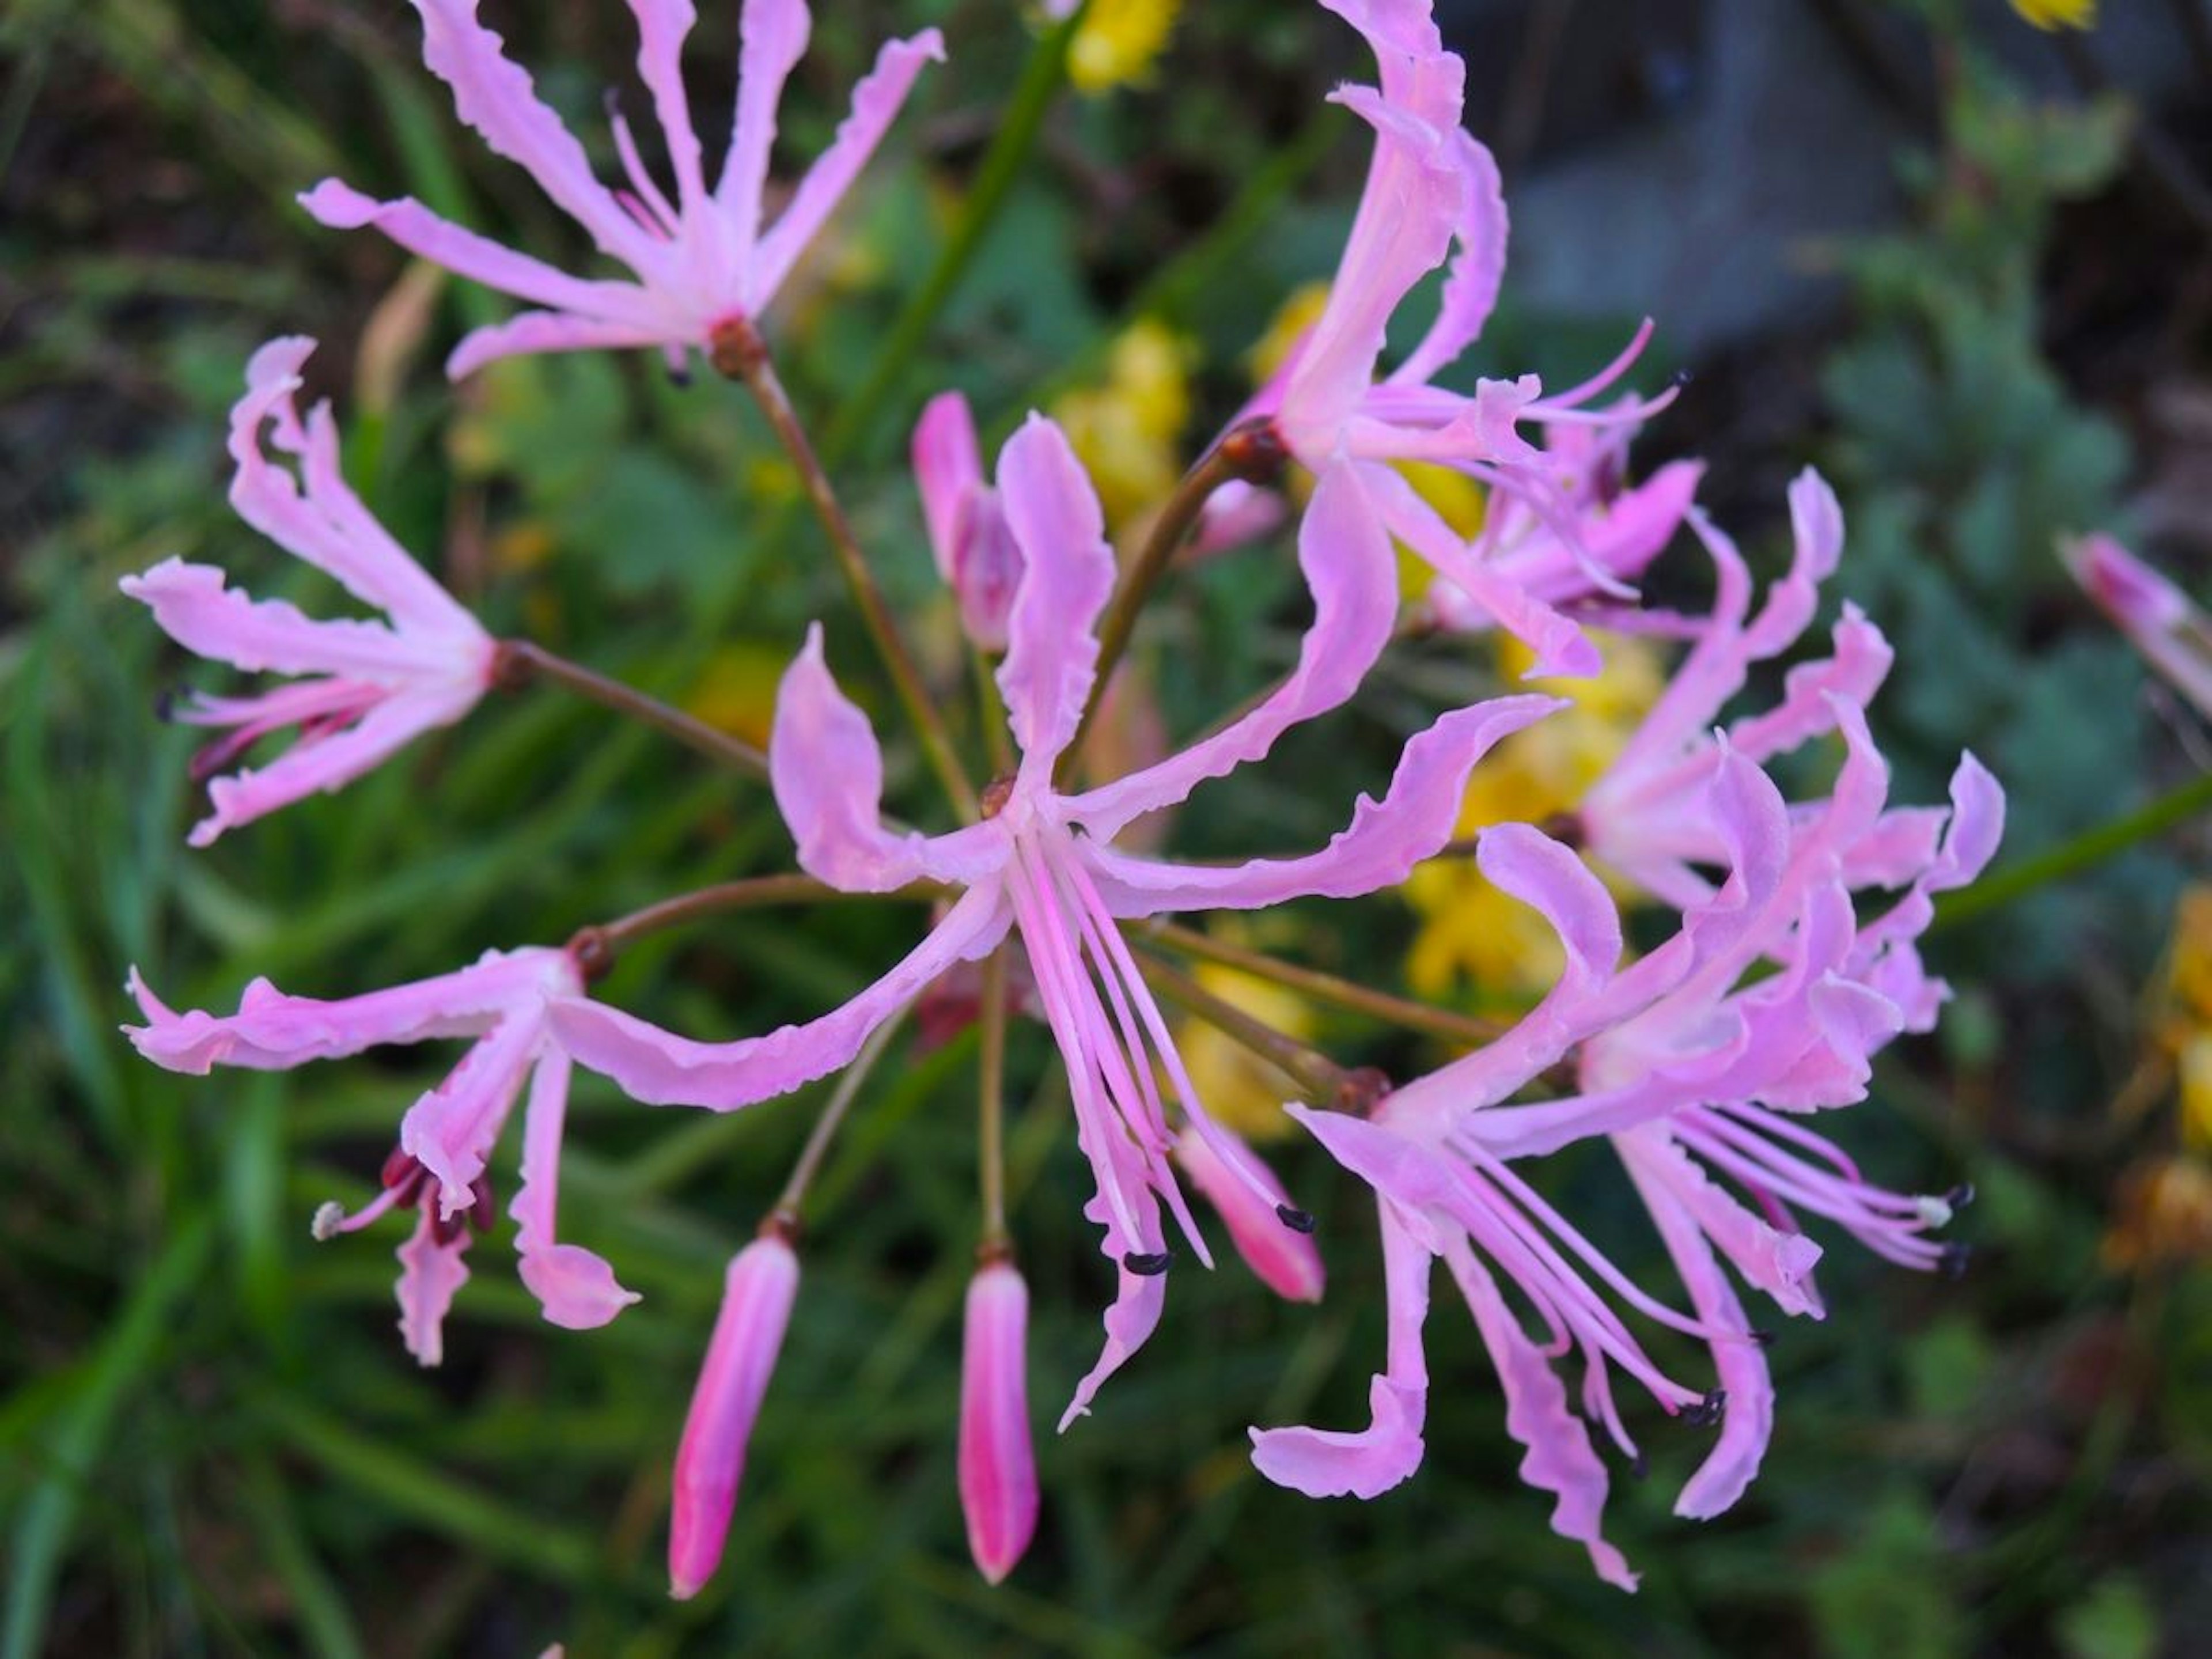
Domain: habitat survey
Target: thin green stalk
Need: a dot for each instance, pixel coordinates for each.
(2085, 852)
(520, 662)
(785, 1214)
(741, 353)
(1042, 76)
(991, 1085)
(1321, 1079)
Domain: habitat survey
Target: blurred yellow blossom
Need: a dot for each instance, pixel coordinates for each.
(2058, 14)
(1119, 42)
(736, 693)
(2162, 1206)
(2162, 1213)
(1470, 933)
(1125, 430)
(1238, 1088)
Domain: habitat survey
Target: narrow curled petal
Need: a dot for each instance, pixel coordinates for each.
(538, 332)
(948, 470)
(1560, 1459)
(1345, 558)
(876, 102)
(758, 1293)
(576, 1287)
(1285, 1259)
(1367, 1462)
(1067, 573)
(660, 1068)
(997, 1462)
(430, 1271)
(772, 39)
(1477, 271)
(1385, 840)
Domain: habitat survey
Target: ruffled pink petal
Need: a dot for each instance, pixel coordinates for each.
(1560, 1459)
(1067, 575)
(662, 28)
(1365, 1464)
(1478, 270)
(1384, 842)
(450, 1130)
(758, 1293)
(536, 333)
(1286, 1261)
(576, 1286)
(495, 95)
(1346, 557)
(1779, 1263)
(467, 254)
(772, 39)
(1853, 673)
(430, 1275)
(193, 605)
(997, 1462)
(876, 103)
(948, 472)
(659, 1068)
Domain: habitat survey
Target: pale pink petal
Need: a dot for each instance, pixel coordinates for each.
(662, 28)
(948, 470)
(450, 1130)
(495, 95)
(1855, 673)
(1560, 1459)
(194, 606)
(1779, 1263)
(539, 332)
(998, 1463)
(827, 770)
(1366, 1462)
(430, 1275)
(1478, 270)
(468, 254)
(1284, 1258)
(1067, 575)
(1382, 845)
(660, 1068)
(757, 1294)
(576, 1287)
(1344, 555)
(772, 39)
(876, 102)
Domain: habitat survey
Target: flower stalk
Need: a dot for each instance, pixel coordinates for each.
(521, 663)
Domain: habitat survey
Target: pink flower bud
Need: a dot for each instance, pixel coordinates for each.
(998, 1468)
(757, 1298)
(974, 548)
(1284, 1256)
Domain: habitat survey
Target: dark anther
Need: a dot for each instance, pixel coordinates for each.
(593, 953)
(1708, 1412)
(735, 348)
(1296, 1220)
(485, 1209)
(679, 376)
(164, 705)
(1960, 1195)
(610, 101)
(1679, 379)
(1955, 1259)
(996, 795)
(1147, 1266)
(1763, 1337)
(1255, 451)
(1639, 1465)
(445, 1229)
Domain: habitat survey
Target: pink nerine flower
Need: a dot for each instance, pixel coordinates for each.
(373, 686)
(976, 552)
(1286, 1261)
(998, 1465)
(1043, 864)
(702, 261)
(757, 1293)
(2174, 636)
(447, 1136)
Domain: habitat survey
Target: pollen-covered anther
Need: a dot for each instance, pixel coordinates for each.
(1708, 1412)
(329, 1221)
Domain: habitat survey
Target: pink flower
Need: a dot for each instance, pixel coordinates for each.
(447, 1136)
(1284, 1259)
(976, 552)
(998, 1467)
(701, 261)
(373, 686)
(1043, 863)
(762, 1284)
(2174, 636)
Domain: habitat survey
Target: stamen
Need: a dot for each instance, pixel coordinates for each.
(329, 1222)
(1148, 1267)
(1708, 1412)
(1296, 1220)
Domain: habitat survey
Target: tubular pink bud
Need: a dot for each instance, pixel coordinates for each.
(757, 1298)
(1282, 1254)
(998, 1468)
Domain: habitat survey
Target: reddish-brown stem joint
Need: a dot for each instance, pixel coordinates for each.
(736, 349)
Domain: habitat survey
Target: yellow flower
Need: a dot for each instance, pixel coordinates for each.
(1125, 430)
(1119, 41)
(1236, 1086)
(736, 693)
(2058, 14)
(2164, 1213)
(1471, 933)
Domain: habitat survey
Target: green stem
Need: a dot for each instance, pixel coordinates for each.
(2085, 852)
(992, 1088)
(1042, 76)
(1321, 1079)
(785, 1214)
(520, 662)
(595, 946)
(743, 354)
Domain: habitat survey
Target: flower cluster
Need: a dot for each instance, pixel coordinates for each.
(1790, 958)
